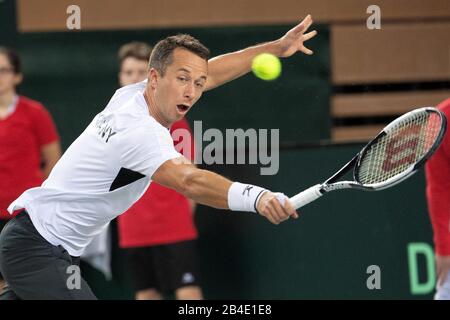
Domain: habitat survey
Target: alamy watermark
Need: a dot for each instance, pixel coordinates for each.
(74, 279)
(234, 146)
(374, 20)
(374, 280)
(73, 21)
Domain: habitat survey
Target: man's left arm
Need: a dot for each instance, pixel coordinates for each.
(227, 67)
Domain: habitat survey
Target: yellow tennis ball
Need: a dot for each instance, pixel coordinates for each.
(266, 66)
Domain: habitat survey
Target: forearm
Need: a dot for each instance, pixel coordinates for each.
(216, 191)
(227, 67)
(208, 188)
(213, 190)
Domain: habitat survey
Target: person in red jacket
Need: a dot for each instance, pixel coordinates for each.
(437, 171)
(158, 231)
(29, 142)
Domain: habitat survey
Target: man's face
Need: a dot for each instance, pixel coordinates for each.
(181, 86)
(132, 71)
(8, 79)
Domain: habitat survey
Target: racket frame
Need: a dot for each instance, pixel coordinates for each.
(332, 184)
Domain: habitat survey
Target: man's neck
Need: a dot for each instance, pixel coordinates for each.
(6, 99)
(149, 99)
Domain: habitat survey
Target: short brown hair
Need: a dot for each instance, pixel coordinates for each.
(162, 53)
(13, 58)
(135, 49)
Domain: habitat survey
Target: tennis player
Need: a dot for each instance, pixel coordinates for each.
(111, 164)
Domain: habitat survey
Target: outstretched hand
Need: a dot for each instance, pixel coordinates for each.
(276, 207)
(294, 39)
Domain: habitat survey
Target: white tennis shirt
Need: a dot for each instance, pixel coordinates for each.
(105, 170)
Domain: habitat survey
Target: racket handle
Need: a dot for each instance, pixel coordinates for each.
(307, 196)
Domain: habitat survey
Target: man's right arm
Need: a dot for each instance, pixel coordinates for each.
(213, 190)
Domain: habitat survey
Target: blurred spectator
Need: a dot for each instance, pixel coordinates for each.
(437, 171)
(29, 142)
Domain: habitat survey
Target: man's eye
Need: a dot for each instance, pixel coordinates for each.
(199, 85)
(182, 78)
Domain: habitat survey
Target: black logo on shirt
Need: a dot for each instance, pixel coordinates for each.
(104, 128)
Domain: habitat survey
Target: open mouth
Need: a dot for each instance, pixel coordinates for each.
(182, 108)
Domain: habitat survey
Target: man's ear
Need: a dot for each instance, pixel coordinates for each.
(153, 77)
(18, 79)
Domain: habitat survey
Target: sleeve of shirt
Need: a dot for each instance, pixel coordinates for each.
(145, 150)
(437, 171)
(44, 126)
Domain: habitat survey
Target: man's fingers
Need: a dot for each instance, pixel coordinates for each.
(303, 26)
(306, 51)
(274, 214)
(286, 206)
(308, 22)
(272, 217)
(290, 209)
(309, 35)
(268, 212)
(283, 205)
(279, 210)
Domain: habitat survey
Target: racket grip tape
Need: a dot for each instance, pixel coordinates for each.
(309, 195)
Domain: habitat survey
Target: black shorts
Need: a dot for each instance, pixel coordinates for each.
(3, 222)
(164, 267)
(35, 269)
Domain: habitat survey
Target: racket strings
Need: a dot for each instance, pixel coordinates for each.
(407, 142)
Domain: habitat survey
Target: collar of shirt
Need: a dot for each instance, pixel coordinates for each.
(12, 106)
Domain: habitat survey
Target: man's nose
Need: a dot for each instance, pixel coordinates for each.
(189, 91)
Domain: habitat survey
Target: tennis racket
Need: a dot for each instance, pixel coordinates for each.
(396, 153)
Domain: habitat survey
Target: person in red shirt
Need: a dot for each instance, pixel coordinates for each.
(158, 231)
(437, 172)
(29, 142)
